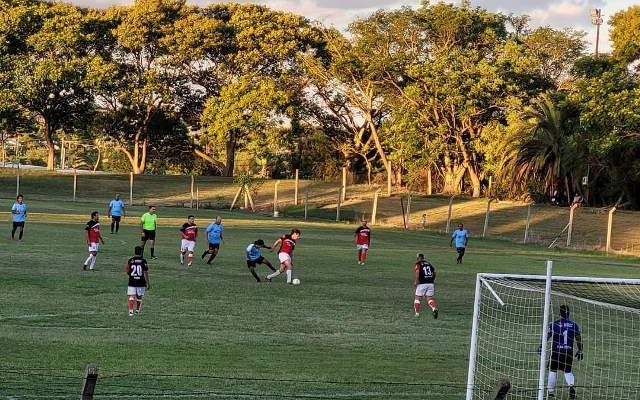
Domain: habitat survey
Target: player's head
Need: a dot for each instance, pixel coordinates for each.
(364, 222)
(218, 219)
(117, 196)
(420, 257)
(259, 243)
(460, 225)
(95, 215)
(295, 234)
(191, 219)
(138, 250)
(564, 311)
(19, 198)
(152, 209)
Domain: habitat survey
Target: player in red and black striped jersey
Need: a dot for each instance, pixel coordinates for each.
(424, 275)
(286, 245)
(189, 233)
(94, 238)
(363, 240)
(138, 273)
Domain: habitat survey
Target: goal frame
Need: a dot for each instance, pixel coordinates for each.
(548, 279)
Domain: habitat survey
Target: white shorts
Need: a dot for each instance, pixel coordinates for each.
(284, 257)
(94, 247)
(425, 289)
(135, 291)
(188, 245)
(362, 246)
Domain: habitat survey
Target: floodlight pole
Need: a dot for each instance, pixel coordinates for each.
(596, 19)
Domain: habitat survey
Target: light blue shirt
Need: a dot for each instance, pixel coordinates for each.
(116, 207)
(20, 212)
(253, 252)
(460, 236)
(214, 233)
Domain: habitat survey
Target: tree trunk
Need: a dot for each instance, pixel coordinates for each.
(429, 184)
(453, 174)
(51, 149)
(475, 181)
(231, 154)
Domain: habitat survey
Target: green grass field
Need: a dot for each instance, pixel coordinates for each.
(347, 332)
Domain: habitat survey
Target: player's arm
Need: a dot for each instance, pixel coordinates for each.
(126, 268)
(416, 275)
(100, 237)
(141, 224)
(124, 212)
(87, 228)
(276, 243)
(466, 238)
(451, 242)
(579, 354)
(146, 278)
(109, 211)
(433, 271)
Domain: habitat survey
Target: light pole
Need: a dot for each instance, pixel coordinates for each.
(596, 19)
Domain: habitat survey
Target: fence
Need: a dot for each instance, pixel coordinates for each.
(302, 199)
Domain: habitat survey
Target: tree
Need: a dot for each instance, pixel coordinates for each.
(625, 34)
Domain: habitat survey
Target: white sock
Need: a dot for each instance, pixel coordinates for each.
(181, 257)
(568, 376)
(93, 261)
(88, 260)
(551, 382)
(289, 275)
(273, 274)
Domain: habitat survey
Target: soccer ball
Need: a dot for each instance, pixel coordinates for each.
(296, 281)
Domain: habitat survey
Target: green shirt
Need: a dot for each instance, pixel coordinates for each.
(148, 221)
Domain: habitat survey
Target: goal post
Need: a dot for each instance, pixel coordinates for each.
(511, 317)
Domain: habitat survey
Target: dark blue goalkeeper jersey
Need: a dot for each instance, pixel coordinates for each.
(563, 333)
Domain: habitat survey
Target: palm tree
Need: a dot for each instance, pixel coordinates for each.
(544, 150)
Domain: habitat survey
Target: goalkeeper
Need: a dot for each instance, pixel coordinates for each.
(564, 333)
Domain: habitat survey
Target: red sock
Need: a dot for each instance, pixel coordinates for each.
(416, 305)
(364, 256)
(432, 304)
(131, 303)
(189, 258)
(359, 255)
(138, 302)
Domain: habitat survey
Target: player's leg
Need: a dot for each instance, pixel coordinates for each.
(266, 262)
(21, 226)
(152, 244)
(553, 374)
(431, 302)
(113, 224)
(213, 252)
(420, 293)
(206, 251)
(284, 257)
(131, 293)
(364, 255)
(252, 268)
(143, 240)
(289, 268)
(92, 265)
(191, 246)
(139, 296)
(13, 231)
(117, 223)
(568, 376)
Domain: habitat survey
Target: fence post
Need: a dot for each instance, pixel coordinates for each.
(449, 215)
(486, 219)
(344, 184)
(131, 188)
(197, 198)
(374, 212)
(18, 179)
(235, 198)
(389, 173)
(275, 199)
(75, 183)
(570, 225)
(295, 193)
(306, 203)
(409, 211)
(192, 184)
(89, 382)
(489, 188)
(610, 228)
(251, 203)
(338, 205)
(527, 224)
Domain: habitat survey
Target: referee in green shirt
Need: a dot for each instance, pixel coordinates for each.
(149, 225)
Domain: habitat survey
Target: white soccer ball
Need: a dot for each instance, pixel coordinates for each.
(296, 281)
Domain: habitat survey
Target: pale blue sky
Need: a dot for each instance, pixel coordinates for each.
(556, 13)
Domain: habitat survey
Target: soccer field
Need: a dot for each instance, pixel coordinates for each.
(347, 332)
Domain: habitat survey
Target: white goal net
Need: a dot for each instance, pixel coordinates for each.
(510, 324)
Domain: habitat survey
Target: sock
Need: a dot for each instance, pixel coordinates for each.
(289, 275)
(551, 382)
(274, 274)
(130, 304)
(88, 260)
(117, 226)
(21, 232)
(13, 232)
(268, 264)
(204, 254)
(181, 257)
(253, 272)
(152, 251)
(189, 258)
(359, 255)
(112, 225)
(416, 306)
(93, 262)
(432, 304)
(211, 257)
(138, 304)
(364, 256)
(571, 380)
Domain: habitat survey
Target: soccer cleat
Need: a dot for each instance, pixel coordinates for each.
(572, 392)
(435, 313)
(417, 315)
(131, 313)
(551, 395)
(154, 257)
(138, 312)
(84, 267)
(189, 264)
(266, 278)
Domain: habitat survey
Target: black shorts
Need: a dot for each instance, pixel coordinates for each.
(561, 362)
(116, 218)
(148, 235)
(252, 264)
(460, 250)
(18, 224)
(214, 246)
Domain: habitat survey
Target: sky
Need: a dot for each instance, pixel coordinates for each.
(338, 13)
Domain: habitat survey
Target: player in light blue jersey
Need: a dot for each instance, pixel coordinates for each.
(18, 216)
(254, 257)
(214, 236)
(116, 213)
(461, 237)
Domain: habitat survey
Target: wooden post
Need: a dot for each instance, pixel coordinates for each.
(527, 224)
(429, 185)
(75, 183)
(409, 211)
(389, 172)
(374, 212)
(192, 184)
(338, 205)
(275, 199)
(344, 184)
(295, 192)
(490, 185)
(131, 188)
(570, 225)
(89, 382)
(235, 198)
(486, 219)
(246, 200)
(18, 179)
(197, 198)
(610, 228)
(306, 202)
(248, 192)
(449, 215)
